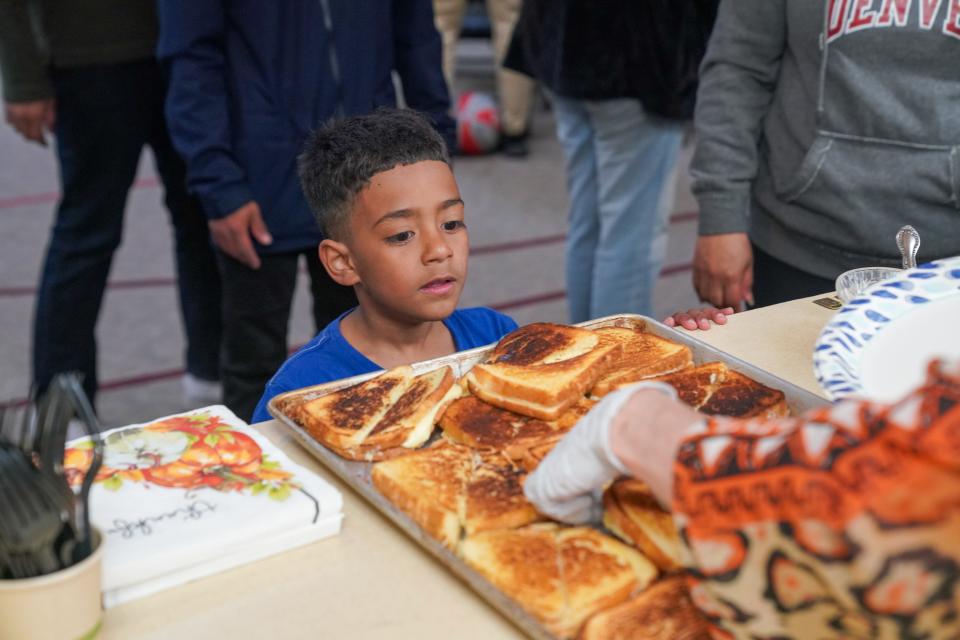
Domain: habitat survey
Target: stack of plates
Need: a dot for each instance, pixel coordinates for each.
(879, 344)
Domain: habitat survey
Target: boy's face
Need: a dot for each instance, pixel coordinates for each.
(408, 244)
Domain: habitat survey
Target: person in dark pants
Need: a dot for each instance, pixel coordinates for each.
(248, 81)
(101, 93)
(775, 281)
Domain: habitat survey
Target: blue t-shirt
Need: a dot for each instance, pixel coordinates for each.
(330, 357)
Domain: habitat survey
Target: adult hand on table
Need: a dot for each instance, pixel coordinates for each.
(606, 444)
(233, 233)
(723, 270)
(32, 119)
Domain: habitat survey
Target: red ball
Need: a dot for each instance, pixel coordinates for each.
(478, 123)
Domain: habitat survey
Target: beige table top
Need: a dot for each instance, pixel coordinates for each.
(371, 581)
(778, 339)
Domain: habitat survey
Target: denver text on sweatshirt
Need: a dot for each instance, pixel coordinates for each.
(822, 127)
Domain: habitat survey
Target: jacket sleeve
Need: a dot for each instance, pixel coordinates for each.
(737, 81)
(857, 496)
(192, 49)
(417, 55)
(22, 62)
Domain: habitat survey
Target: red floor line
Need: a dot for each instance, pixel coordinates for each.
(530, 300)
(120, 383)
(557, 295)
(54, 196)
(677, 218)
(518, 244)
(145, 378)
(675, 269)
(144, 283)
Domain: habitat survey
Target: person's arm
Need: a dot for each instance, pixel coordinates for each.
(191, 47)
(27, 92)
(632, 431)
(852, 500)
(418, 60)
(857, 493)
(737, 81)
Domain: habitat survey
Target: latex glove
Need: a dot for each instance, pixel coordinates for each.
(568, 483)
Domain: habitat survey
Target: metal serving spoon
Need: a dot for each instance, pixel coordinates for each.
(908, 241)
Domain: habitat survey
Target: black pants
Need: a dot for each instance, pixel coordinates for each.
(256, 314)
(105, 116)
(775, 281)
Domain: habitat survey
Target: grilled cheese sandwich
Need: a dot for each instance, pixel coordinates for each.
(561, 576)
(541, 370)
(480, 425)
(663, 611)
(631, 512)
(642, 356)
(715, 389)
(380, 418)
(448, 488)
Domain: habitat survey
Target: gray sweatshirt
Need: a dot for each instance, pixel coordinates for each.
(823, 126)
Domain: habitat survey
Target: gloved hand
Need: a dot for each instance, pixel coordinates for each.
(567, 484)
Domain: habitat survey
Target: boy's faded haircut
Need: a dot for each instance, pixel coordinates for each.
(340, 158)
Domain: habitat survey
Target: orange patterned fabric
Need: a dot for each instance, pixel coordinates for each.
(844, 523)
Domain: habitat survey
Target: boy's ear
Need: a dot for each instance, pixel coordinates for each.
(336, 259)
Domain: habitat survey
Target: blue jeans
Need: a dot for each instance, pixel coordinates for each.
(105, 116)
(619, 164)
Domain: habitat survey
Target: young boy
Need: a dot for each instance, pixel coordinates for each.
(383, 192)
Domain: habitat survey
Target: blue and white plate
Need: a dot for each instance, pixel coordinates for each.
(878, 344)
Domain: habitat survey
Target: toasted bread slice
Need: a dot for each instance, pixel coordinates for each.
(382, 417)
(542, 391)
(715, 389)
(543, 343)
(429, 485)
(740, 396)
(642, 356)
(480, 425)
(569, 419)
(561, 576)
(342, 419)
(695, 385)
(663, 611)
(542, 369)
(494, 496)
(537, 451)
(632, 513)
(448, 487)
(598, 572)
(410, 420)
(535, 454)
(524, 564)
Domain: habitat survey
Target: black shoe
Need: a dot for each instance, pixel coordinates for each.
(514, 146)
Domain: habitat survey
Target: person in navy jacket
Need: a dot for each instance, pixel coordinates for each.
(248, 80)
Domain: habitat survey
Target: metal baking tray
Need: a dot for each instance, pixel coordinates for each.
(357, 474)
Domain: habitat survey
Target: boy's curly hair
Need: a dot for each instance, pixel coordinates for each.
(339, 159)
